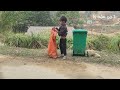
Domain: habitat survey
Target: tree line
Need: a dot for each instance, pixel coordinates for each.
(18, 21)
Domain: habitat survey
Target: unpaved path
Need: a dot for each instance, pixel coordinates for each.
(37, 68)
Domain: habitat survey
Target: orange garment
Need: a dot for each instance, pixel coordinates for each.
(52, 45)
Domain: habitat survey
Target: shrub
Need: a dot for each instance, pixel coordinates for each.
(20, 28)
(114, 45)
(101, 42)
(25, 41)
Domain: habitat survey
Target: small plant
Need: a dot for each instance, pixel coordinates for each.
(90, 41)
(69, 43)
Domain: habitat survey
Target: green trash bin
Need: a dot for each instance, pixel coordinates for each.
(79, 42)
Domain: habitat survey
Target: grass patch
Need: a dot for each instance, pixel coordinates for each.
(101, 42)
(114, 45)
(24, 52)
(25, 41)
(107, 58)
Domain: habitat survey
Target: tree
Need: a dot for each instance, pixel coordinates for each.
(10, 18)
(61, 13)
(72, 16)
(22, 18)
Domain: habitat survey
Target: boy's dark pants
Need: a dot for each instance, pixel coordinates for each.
(63, 46)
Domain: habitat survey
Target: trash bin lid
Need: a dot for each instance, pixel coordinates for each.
(80, 30)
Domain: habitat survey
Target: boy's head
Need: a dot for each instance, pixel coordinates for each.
(63, 19)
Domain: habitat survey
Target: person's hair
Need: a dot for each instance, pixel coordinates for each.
(63, 18)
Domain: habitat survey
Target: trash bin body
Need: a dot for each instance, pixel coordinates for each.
(79, 42)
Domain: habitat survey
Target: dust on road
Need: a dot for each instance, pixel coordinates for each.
(29, 72)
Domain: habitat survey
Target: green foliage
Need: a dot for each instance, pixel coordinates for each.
(72, 16)
(69, 43)
(25, 41)
(101, 42)
(40, 18)
(10, 19)
(115, 44)
(20, 28)
(61, 13)
(22, 40)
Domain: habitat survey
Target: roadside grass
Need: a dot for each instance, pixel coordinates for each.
(107, 58)
(107, 47)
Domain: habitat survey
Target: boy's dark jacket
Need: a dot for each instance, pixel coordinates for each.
(62, 31)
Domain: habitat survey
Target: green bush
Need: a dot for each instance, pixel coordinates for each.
(101, 42)
(22, 40)
(114, 45)
(18, 40)
(20, 28)
(90, 41)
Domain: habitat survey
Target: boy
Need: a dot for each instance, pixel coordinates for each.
(62, 32)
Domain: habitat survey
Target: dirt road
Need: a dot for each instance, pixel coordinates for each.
(35, 68)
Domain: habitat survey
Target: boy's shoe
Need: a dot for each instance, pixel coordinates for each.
(64, 57)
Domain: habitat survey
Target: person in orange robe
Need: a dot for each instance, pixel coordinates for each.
(52, 45)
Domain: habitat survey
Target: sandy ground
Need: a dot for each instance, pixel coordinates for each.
(46, 68)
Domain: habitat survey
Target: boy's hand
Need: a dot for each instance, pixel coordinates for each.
(57, 28)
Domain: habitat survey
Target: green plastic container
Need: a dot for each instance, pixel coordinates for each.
(79, 42)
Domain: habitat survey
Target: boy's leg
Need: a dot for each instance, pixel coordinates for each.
(61, 46)
(64, 49)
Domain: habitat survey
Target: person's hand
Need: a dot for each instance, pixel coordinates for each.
(55, 29)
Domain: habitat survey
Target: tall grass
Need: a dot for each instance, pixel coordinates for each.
(23, 40)
(103, 42)
(115, 44)
(99, 43)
